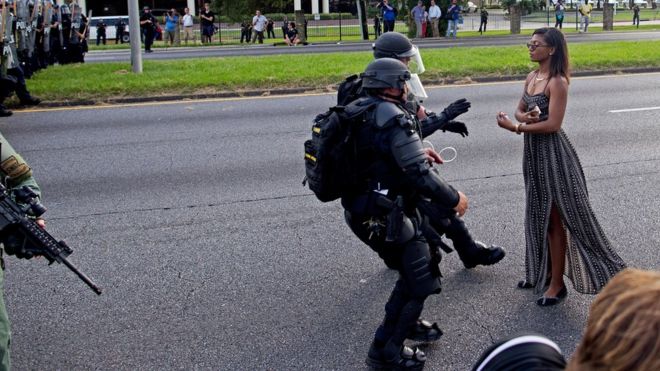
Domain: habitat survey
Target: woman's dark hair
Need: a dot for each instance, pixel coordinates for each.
(292, 24)
(559, 59)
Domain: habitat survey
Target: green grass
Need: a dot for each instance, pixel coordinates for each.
(315, 71)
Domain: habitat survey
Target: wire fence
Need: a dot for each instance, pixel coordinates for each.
(350, 28)
(341, 29)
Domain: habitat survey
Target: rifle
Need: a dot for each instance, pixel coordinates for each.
(23, 237)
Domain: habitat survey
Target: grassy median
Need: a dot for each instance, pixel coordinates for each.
(104, 81)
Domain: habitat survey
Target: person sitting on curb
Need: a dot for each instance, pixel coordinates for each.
(291, 37)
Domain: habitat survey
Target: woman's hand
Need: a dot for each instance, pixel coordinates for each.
(531, 116)
(505, 122)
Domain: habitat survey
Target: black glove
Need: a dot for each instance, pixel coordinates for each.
(456, 127)
(457, 108)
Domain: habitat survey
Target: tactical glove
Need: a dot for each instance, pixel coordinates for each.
(457, 108)
(455, 127)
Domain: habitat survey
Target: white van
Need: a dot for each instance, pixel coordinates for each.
(110, 30)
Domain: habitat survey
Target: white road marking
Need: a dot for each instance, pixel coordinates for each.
(634, 109)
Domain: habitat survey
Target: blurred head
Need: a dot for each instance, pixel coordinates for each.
(292, 24)
(524, 352)
(207, 6)
(258, 12)
(548, 42)
(146, 9)
(623, 328)
(186, 10)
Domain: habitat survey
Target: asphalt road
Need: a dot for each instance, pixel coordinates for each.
(269, 49)
(212, 255)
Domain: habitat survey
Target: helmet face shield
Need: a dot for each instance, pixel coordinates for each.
(415, 87)
(415, 64)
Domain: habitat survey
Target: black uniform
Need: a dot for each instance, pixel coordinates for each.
(393, 173)
(148, 29)
(439, 220)
(100, 32)
(121, 30)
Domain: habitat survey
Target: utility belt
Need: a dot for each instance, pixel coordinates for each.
(379, 206)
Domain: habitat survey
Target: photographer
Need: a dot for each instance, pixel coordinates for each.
(389, 15)
(171, 21)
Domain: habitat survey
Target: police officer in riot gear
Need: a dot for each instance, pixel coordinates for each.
(393, 169)
(11, 74)
(76, 34)
(440, 220)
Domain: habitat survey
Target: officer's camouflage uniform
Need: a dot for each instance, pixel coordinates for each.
(15, 173)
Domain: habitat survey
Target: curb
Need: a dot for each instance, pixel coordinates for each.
(288, 91)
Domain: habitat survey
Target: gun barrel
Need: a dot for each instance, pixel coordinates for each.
(82, 275)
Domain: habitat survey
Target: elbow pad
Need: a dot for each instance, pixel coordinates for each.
(409, 154)
(433, 123)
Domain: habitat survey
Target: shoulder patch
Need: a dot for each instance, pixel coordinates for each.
(15, 168)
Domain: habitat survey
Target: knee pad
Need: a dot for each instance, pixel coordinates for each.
(417, 272)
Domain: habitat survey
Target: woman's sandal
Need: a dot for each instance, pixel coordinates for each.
(425, 331)
(548, 301)
(409, 359)
(524, 284)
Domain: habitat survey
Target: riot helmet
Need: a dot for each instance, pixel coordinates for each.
(397, 45)
(385, 73)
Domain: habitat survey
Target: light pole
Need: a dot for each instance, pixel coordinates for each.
(134, 30)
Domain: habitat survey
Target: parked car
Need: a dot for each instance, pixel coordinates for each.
(470, 7)
(111, 30)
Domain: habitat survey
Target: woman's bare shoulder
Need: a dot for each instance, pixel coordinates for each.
(530, 75)
(558, 82)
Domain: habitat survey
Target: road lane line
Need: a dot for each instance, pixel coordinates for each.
(634, 109)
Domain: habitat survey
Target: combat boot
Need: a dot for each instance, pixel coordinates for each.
(482, 255)
(407, 359)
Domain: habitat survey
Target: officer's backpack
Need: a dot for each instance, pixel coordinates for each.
(349, 90)
(331, 153)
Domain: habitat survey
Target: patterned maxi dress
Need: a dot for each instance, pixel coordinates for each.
(553, 175)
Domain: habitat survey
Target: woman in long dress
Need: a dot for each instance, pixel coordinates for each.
(562, 234)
